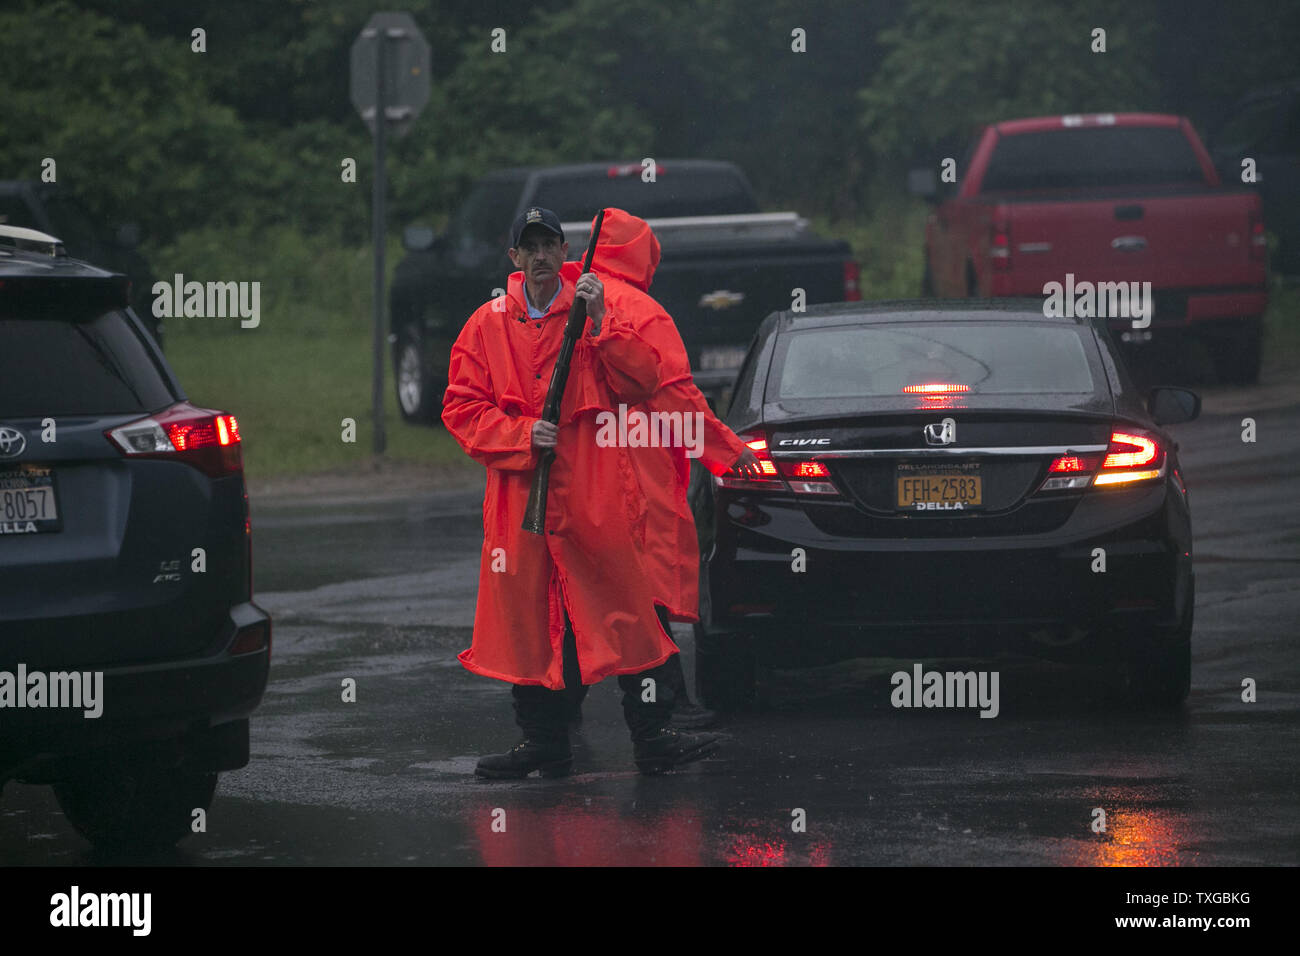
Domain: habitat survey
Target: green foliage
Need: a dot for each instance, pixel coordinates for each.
(309, 283)
(952, 68)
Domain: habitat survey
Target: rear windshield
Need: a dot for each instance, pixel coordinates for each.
(1092, 156)
(579, 196)
(56, 366)
(882, 360)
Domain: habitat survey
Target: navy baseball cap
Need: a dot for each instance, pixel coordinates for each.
(535, 216)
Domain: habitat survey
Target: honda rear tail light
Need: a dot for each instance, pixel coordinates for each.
(852, 286)
(756, 442)
(207, 440)
(804, 477)
(1131, 457)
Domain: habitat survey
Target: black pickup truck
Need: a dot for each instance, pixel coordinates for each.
(724, 264)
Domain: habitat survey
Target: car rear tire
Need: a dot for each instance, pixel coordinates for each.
(1236, 351)
(1160, 665)
(139, 808)
(724, 671)
(418, 395)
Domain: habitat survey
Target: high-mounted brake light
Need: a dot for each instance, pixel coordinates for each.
(935, 388)
(630, 169)
(207, 440)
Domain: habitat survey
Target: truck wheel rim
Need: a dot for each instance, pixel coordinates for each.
(408, 380)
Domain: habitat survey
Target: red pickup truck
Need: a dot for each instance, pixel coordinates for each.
(1082, 201)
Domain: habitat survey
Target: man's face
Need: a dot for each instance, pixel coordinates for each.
(539, 255)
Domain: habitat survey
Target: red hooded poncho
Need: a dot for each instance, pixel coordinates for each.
(590, 559)
(626, 257)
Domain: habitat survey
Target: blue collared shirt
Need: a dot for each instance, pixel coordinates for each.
(541, 313)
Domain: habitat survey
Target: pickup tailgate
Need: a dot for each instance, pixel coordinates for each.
(1198, 240)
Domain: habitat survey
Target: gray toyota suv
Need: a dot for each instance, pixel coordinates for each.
(131, 652)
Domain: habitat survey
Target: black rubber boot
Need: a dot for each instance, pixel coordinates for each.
(655, 747)
(552, 757)
(669, 748)
(687, 714)
(541, 715)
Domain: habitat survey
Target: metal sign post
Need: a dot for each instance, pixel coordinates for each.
(390, 79)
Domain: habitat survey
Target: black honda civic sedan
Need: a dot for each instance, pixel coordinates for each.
(946, 478)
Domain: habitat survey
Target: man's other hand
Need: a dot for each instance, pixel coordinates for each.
(748, 465)
(544, 433)
(591, 289)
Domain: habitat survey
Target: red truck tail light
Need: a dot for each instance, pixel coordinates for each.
(852, 275)
(205, 439)
(1000, 243)
(1130, 457)
(1257, 239)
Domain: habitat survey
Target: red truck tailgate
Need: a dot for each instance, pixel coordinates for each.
(1185, 241)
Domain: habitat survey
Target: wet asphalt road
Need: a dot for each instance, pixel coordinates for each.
(383, 592)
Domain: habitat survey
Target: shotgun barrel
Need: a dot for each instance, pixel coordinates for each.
(535, 514)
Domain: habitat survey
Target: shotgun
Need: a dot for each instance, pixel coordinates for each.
(535, 515)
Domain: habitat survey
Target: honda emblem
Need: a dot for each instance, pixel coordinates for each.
(941, 433)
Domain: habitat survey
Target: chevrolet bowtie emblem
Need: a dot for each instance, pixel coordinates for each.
(721, 299)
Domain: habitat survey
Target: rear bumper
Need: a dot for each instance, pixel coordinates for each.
(143, 703)
(882, 589)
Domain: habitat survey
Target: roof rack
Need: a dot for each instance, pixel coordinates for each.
(29, 240)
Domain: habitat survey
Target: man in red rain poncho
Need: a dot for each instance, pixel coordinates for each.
(575, 603)
(627, 255)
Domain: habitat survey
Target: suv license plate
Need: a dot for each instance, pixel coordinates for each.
(28, 502)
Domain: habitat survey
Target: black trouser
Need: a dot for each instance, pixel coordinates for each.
(544, 714)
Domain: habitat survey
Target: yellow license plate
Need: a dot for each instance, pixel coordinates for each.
(939, 492)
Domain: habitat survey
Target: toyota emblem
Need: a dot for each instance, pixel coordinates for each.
(12, 442)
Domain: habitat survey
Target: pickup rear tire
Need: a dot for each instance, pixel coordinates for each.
(1236, 349)
(135, 809)
(418, 395)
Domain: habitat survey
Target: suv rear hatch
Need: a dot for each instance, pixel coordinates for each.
(100, 559)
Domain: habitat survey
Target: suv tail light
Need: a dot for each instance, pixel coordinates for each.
(804, 477)
(852, 286)
(205, 439)
(1131, 457)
